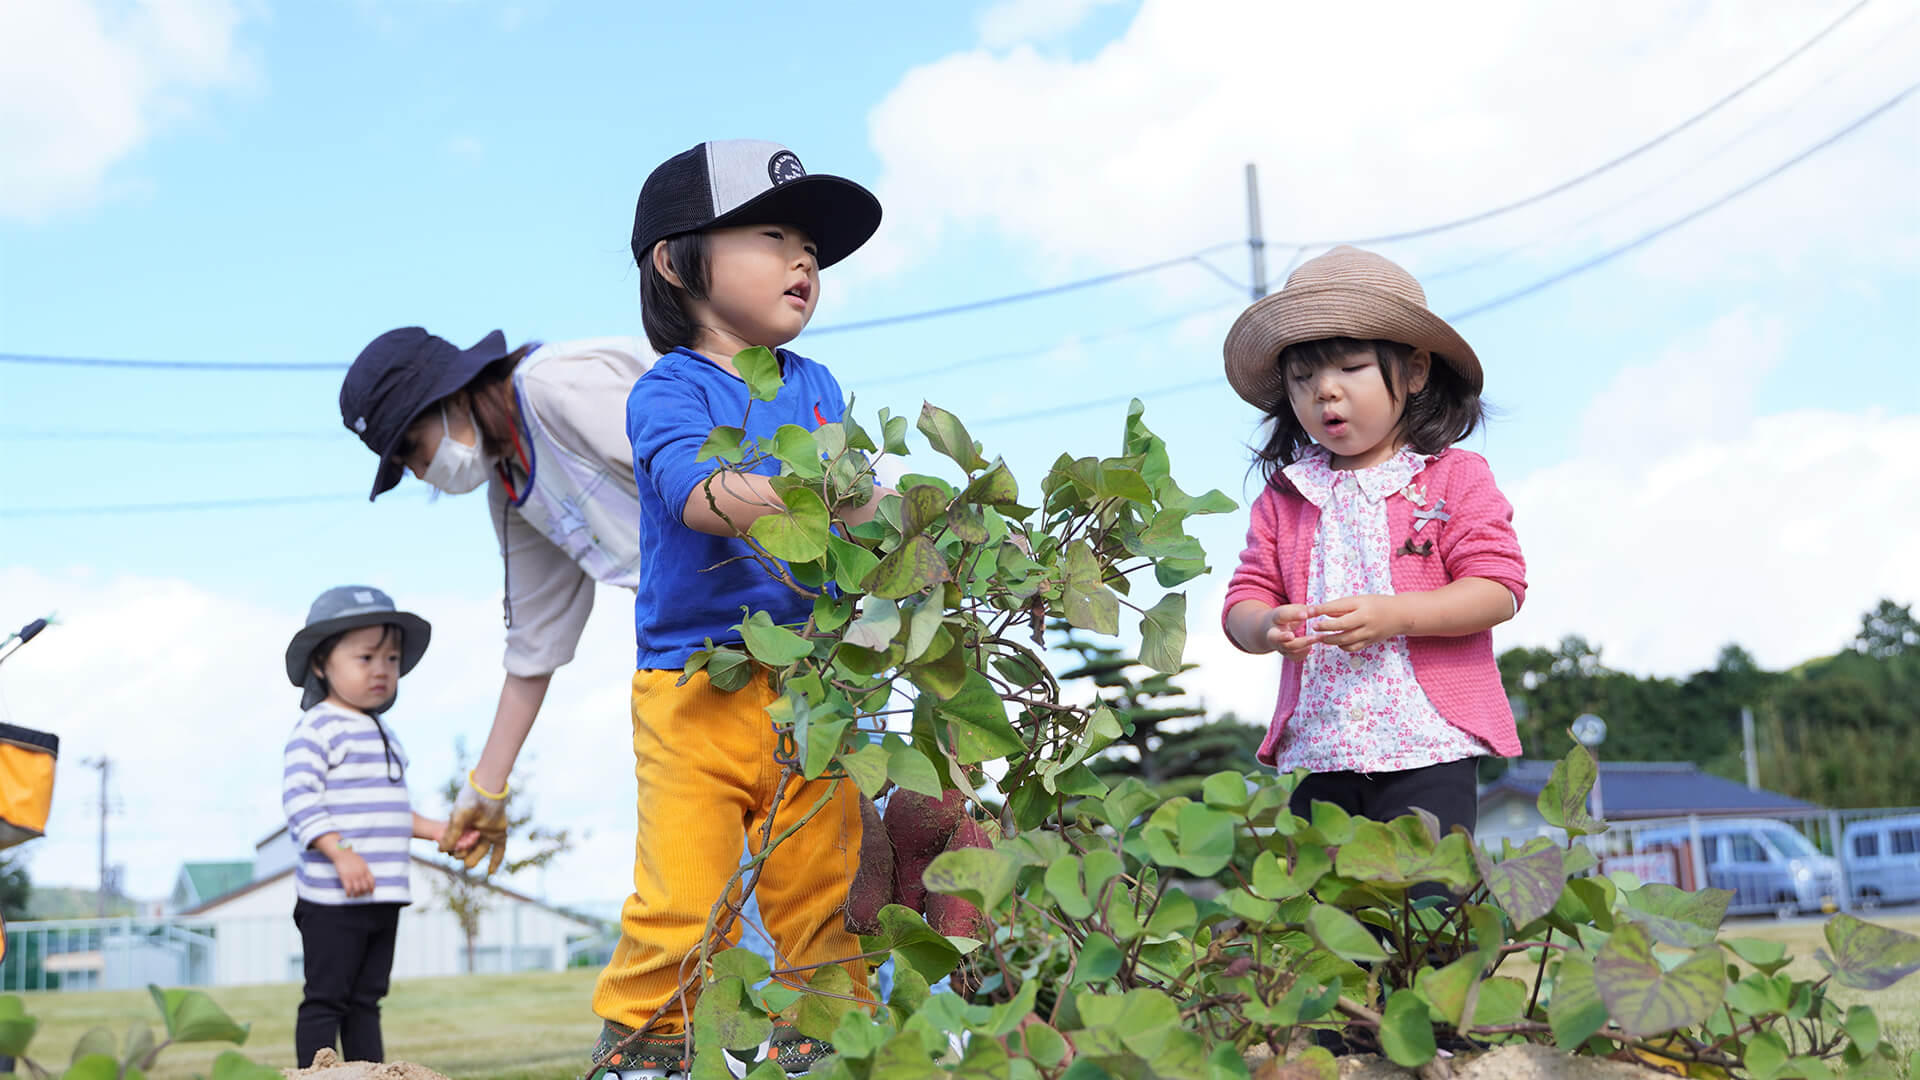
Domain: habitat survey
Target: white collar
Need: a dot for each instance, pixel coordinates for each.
(1314, 476)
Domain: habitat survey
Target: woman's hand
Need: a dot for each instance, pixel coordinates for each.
(1354, 623)
(477, 827)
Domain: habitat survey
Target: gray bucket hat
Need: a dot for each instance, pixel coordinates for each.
(350, 607)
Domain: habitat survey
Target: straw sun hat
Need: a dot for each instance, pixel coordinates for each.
(1344, 293)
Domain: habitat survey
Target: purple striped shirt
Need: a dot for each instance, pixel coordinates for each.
(341, 777)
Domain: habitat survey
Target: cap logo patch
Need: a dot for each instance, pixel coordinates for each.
(784, 167)
(363, 597)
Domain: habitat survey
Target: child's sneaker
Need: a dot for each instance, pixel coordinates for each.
(654, 1057)
(796, 1053)
(649, 1057)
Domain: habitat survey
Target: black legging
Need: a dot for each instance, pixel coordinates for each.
(348, 958)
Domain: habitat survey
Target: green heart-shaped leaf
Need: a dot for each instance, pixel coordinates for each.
(1643, 998)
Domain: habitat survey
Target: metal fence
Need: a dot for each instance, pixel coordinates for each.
(1784, 865)
(104, 954)
(130, 953)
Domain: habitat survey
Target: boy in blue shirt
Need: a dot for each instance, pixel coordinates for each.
(730, 238)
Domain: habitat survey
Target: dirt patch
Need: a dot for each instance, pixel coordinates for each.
(1507, 1063)
(328, 1066)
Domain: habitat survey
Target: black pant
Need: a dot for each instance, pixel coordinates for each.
(1449, 791)
(348, 956)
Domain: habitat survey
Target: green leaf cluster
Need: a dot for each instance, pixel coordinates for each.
(922, 666)
(186, 1016)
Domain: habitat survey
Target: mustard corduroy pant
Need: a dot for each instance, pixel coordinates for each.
(707, 780)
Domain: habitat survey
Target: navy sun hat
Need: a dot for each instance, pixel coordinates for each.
(396, 379)
(750, 182)
(350, 607)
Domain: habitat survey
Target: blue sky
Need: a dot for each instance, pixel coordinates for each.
(1702, 438)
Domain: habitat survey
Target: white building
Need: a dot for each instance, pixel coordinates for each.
(246, 935)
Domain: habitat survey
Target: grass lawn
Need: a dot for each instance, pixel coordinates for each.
(540, 1027)
(480, 1027)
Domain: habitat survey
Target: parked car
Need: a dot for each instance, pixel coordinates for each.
(1767, 864)
(1882, 856)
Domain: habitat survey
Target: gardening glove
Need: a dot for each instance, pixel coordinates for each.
(482, 812)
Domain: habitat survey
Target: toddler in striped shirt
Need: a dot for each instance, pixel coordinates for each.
(344, 790)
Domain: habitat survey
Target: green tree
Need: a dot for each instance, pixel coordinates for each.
(465, 892)
(1143, 705)
(16, 889)
(1887, 631)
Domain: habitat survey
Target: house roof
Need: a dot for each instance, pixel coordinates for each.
(1650, 789)
(261, 883)
(215, 879)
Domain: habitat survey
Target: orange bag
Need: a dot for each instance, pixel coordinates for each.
(26, 782)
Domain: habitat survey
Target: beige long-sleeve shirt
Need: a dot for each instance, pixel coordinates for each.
(581, 395)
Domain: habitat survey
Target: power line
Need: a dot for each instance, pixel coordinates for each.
(1197, 257)
(1021, 354)
(177, 437)
(1507, 298)
(1653, 234)
(170, 507)
(164, 365)
(1116, 399)
(1850, 68)
(1479, 309)
(971, 363)
(1030, 294)
(1472, 219)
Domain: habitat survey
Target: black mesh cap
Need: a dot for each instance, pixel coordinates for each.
(748, 182)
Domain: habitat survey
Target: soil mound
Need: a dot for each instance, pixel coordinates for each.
(328, 1066)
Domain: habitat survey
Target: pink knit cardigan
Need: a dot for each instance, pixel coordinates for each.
(1477, 540)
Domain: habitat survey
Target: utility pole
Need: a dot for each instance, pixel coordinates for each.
(105, 765)
(1746, 738)
(1256, 243)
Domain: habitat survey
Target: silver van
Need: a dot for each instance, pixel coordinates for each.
(1767, 864)
(1882, 856)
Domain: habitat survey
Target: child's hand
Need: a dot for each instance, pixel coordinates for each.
(1354, 623)
(1287, 631)
(355, 876)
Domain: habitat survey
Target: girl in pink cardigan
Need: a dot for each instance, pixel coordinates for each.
(1379, 557)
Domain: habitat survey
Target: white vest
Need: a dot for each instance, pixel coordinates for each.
(578, 503)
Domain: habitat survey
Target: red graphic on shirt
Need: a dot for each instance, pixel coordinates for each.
(817, 418)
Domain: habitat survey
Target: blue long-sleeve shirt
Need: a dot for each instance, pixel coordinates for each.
(689, 591)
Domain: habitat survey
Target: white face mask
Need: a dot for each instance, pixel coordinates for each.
(456, 468)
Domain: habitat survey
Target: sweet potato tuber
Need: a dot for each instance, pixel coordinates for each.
(919, 828)
(872, 887)
(950, 914)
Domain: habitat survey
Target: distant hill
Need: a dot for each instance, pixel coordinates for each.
(57, 902)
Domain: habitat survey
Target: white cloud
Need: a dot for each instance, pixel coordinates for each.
(1370, 117)
(1776, 538)
(1686, 522)
(1014, 21)
(182, 687)
(84, 83)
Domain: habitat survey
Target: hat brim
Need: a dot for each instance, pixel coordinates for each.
(1314, 312)
(838, 214)
(415, 633)
(467, 363)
